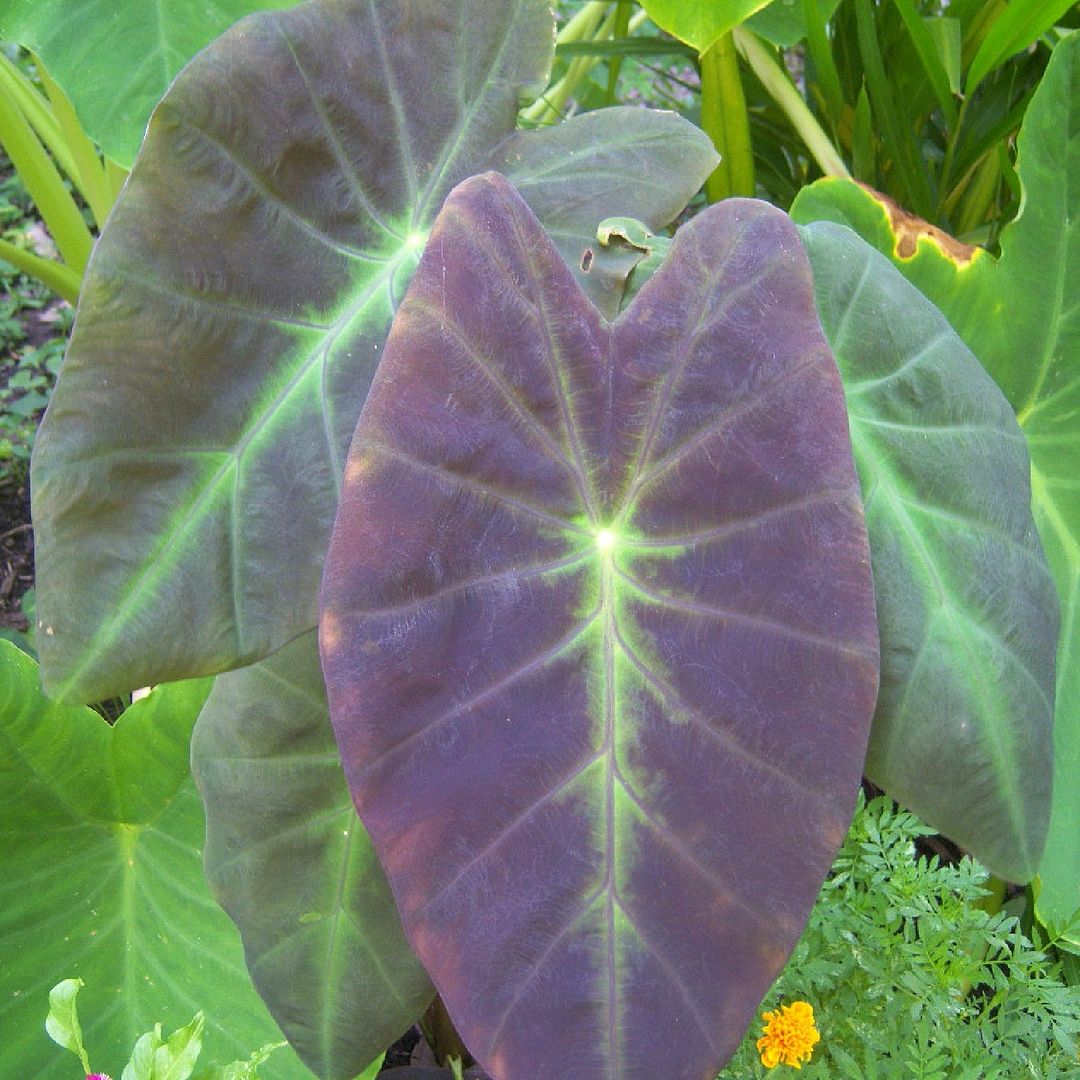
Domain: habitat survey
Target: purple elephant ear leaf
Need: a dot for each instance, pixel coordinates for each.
(599, 638)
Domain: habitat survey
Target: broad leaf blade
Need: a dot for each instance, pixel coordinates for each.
(115, 61)
(966, 605)
(235, 310)
(702, 22)
(290, 862)
(1015, 316)
(598, 635)
(960, 279)
(1033, 351)
(102, 832)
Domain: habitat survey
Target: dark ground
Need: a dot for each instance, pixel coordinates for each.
(16, 547)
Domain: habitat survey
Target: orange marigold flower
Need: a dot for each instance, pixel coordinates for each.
(789, 1036)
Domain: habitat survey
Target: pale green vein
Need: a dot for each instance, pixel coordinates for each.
(537, 965)
(537, 662)
(144, 280)
(551, 354)
(703, 1025)
(505, 832)
(741, 618)
(856, 387)
(344, 161)
(161, 561)
(749, 522)
(257, 185)
(512, 574)
(993, 737)
(485, 87)
(448, 324)
(679, 847)
(719, 424)
(476, 486)
(669, 696)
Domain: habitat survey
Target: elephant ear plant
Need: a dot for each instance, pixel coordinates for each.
(598, 627)
(599, 635)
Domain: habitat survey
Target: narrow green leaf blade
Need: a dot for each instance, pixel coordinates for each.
(1019, 23)
(290, 862)
(238, 300)
(102, 836)
(966, 606)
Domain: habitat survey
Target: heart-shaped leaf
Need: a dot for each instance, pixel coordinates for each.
(116, 60)
(289, 860)
(186, 477)
(102, 831)
(598, 635)
(966, 604)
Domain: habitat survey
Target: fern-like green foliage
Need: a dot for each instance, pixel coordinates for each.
(910, 979)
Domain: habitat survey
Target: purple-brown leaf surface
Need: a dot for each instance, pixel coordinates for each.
(598, 632)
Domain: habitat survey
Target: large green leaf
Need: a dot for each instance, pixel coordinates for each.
(599, 636)
(1031, 345)
(115, 58)
(1019, 315)
(966, 605)
(101, 832)
(700, 23)
(235, 309)
(960, 279)
(289, 860)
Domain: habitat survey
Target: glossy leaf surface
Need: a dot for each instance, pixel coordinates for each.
(115, 60)
(289, 860)
(1015, 314)
(236, 307)
(966, 605)
(702, 22)
(598, 635)
(102, 831)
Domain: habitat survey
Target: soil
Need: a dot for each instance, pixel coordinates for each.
(16, 533)
(16, 547)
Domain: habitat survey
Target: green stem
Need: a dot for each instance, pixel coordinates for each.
(548, 109)
(820, 54)
(89, 174)
(781, 89)
(44, 184)
(620, 30)
(980, 194)
(61, 279)
(582, 24)
(725, 120)
(37, 110)
(950, 156)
